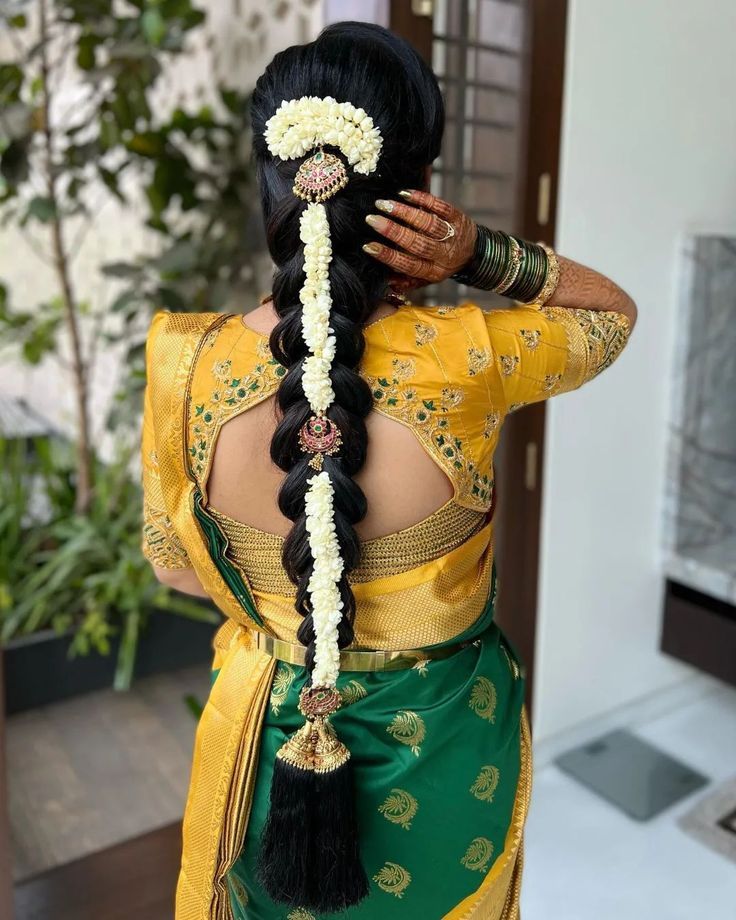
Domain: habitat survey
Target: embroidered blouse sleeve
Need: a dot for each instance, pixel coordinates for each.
(161, 545)
(540, 353)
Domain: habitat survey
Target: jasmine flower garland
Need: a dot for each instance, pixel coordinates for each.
(301, 124)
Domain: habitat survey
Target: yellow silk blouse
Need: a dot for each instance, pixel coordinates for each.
(451, 374)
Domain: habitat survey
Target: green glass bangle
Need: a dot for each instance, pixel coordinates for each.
(531, 278)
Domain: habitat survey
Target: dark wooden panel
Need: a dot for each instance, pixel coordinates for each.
(132, 881)
(416, 29)
(6, 888)
(700, 630)
(521, 456)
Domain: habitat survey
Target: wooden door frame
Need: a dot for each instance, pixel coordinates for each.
(518, 526)
(6, 882)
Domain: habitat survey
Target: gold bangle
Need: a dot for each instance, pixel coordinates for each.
(512, 272)
(553, 275)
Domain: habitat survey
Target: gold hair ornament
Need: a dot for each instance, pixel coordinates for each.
(320, 177)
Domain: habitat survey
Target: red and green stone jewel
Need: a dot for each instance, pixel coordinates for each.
(319, 436)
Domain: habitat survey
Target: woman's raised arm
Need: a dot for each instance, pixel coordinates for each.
(433, 240)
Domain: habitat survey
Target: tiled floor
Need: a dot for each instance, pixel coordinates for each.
(588, 861)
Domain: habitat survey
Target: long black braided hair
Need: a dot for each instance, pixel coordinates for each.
(311, 859)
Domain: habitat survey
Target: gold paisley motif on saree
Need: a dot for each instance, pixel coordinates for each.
(282, 681)
(400, 807)
(393, 879)
(478, 855)
(300, 914)
(408, 728)
(486, 783)
(483, 699)
(421, 667)
(352, 692)
(238, 889)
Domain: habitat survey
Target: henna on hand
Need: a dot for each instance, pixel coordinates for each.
(426, 253)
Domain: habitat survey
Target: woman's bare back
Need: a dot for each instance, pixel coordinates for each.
(401, 482)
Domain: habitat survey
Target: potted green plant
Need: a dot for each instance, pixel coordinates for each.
(82, 573)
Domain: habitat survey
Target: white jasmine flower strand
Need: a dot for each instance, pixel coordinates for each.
(324, 592)
(301, 124)
(297, 127)
(316, 301)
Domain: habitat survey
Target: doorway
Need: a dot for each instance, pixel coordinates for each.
(500, 64)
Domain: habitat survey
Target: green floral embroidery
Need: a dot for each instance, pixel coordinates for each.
(230, 396)
(238, 889)
(430, 419)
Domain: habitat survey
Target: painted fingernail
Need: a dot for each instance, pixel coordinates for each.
(375, 220)
(405, 193)
(371, 248)
(384, 205)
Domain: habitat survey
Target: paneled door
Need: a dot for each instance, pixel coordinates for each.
(6, 886)
(500, 64)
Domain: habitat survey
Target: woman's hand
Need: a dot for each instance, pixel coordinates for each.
(433, 239)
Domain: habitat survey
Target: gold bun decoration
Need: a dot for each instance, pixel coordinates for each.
(320, 177)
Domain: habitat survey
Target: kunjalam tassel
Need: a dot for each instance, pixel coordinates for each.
(314, 863)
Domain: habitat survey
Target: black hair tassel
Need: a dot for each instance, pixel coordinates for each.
(310, 852)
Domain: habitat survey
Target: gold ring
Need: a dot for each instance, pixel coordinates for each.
(450, 231)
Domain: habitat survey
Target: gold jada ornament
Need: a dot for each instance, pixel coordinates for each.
(320, 177)
(315, 746)
(319, 436)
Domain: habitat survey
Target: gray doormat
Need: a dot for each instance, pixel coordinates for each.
(630, 773)
(713, 820)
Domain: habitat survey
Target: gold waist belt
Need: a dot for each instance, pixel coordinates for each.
(356, 659)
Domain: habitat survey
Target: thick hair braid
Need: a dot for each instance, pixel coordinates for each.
(310, 853)
(351, 305)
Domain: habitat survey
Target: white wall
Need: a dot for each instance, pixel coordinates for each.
(231, 49)
(649, 153)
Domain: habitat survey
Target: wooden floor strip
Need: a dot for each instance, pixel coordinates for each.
(131, 881)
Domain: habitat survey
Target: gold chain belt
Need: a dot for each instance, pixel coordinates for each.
(356, 659)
